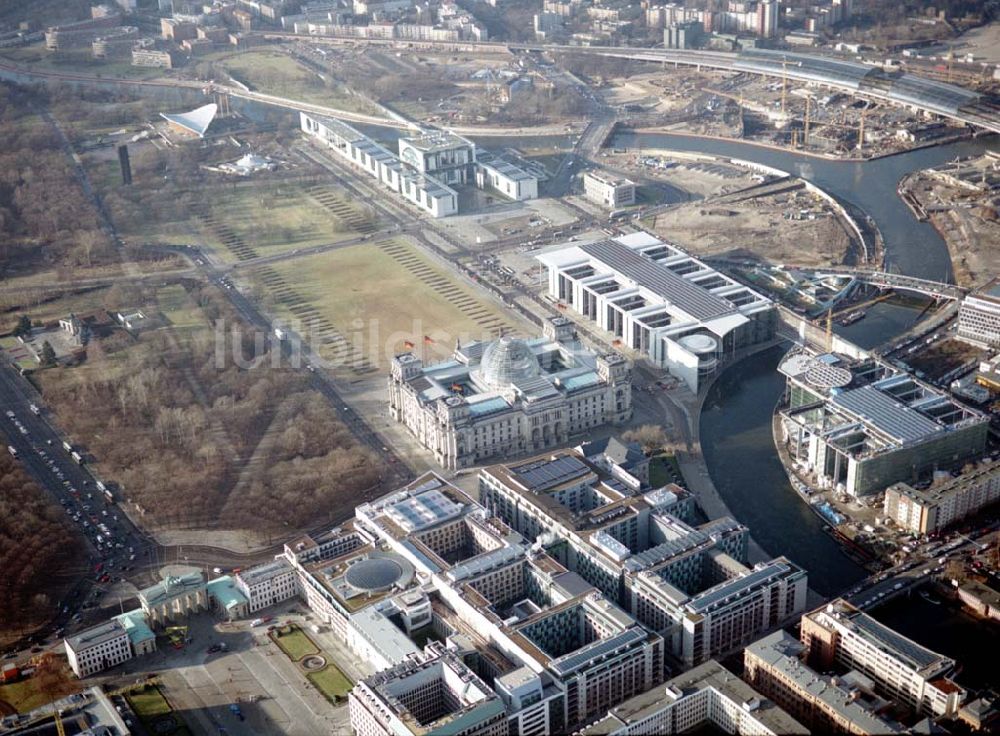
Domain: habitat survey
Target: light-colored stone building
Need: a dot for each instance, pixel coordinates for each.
(174, 598)
(510, 396)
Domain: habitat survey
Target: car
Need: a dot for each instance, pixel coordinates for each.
(214, 648)
(36, 650)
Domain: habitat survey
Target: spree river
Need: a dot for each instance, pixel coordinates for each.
(736, 434)
(912, 247)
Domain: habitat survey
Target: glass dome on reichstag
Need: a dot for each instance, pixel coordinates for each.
(506, 361)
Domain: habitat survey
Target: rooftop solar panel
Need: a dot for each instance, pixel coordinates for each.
(693, 299)
(886, 414)
(542, 475)
(917, 656)
(720, 592)
(586, 654)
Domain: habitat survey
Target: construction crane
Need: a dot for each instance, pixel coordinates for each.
(829, 330)
(805, 132)
(861, 130)
(784, 82)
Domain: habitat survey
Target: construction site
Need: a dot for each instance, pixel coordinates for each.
(960, 198)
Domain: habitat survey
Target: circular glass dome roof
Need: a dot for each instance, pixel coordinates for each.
(508, 360)
(700, 343)
(374, 573)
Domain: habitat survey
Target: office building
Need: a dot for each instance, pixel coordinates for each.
(607, 190)
(774, 666)
(931, 509)
(690, 585)
(428, 562)
(706, 699)
(433, 693)
(266, 585)
(98, 648)
(447, 157)
(495, 173)
(979, 316)
(655, 298)
(509, 396)
(838, 634)
(361, 152)
(858, 426)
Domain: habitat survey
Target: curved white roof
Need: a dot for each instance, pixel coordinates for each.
(197, 121)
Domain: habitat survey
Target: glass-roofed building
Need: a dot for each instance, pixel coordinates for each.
(661, 301)
(861, 425)
(509, 396)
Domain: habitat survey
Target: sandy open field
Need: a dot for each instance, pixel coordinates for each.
(983, 43)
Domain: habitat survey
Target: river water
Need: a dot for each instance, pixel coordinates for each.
(736, 434)
(738, 445)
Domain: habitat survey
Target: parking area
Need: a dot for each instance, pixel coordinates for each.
(271, 694)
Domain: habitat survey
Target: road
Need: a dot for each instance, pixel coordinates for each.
(72, 486)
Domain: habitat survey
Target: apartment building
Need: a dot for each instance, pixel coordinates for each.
(774, 666)
(706, 699)
(928, 510)
(902, 670)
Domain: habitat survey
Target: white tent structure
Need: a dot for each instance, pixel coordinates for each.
(196, 121)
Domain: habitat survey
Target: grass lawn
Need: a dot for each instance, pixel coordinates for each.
(150, 706)
(25, 695)
(330, 681)
(270, 217)
(80, 303)
(275, 73)
(77, 60)
(383, 299)
(185, 317)
(276, 218)
(295, 643)
(664, 469)
(22, 358)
